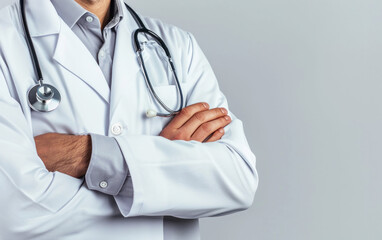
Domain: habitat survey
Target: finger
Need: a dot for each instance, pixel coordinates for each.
(206, 129)
(187, 113)
(203, 117)
(217, 135)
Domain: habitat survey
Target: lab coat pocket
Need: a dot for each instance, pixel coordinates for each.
(156, 64)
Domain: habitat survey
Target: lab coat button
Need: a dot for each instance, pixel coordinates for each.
(103, 184)
(116, 129)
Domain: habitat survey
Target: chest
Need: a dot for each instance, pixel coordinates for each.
(89, 104)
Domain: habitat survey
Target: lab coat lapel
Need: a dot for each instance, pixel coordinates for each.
(69, 51)
(73, 55)
(127, 81)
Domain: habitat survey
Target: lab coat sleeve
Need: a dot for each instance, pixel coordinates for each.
(20, 166)
(104, 167)
(189, 179)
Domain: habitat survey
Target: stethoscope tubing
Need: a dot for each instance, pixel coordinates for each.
(32, 50)
(138, 49)
(43, 106)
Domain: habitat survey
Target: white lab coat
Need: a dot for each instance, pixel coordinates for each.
(184, 180)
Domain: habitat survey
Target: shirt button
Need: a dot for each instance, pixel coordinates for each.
(101, 53)
(103, 184)
(89, 19)
(117, 129)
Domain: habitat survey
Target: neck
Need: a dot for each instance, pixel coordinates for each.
(101, 8)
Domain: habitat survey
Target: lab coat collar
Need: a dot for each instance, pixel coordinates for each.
(72, 54)
(78, 60)
(70, 11)
(69, 52)
(42, 18)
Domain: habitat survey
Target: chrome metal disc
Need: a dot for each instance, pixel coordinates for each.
(44, 98)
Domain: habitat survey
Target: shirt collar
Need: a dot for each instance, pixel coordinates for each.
(71, 12)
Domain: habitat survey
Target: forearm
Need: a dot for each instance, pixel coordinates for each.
(69, 154)
(222, 174)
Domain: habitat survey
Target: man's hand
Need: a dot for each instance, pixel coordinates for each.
(69, 154)
(197, 122)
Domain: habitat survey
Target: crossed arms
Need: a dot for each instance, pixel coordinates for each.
(71, 154)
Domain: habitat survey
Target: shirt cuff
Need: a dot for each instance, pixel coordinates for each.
(107, 169)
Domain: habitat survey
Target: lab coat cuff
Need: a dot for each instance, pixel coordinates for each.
(107, 169)
(130, 199)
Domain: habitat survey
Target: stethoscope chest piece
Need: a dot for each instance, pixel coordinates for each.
(44, 98)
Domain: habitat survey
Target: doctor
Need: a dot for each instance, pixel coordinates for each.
(97, 167)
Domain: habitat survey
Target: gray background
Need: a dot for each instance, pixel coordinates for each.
(305, 77)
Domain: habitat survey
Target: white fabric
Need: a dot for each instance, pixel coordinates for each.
(181, 179)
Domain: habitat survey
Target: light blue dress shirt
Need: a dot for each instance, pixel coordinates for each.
(107, 170)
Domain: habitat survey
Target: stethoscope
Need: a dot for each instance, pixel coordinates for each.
(45, 98)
